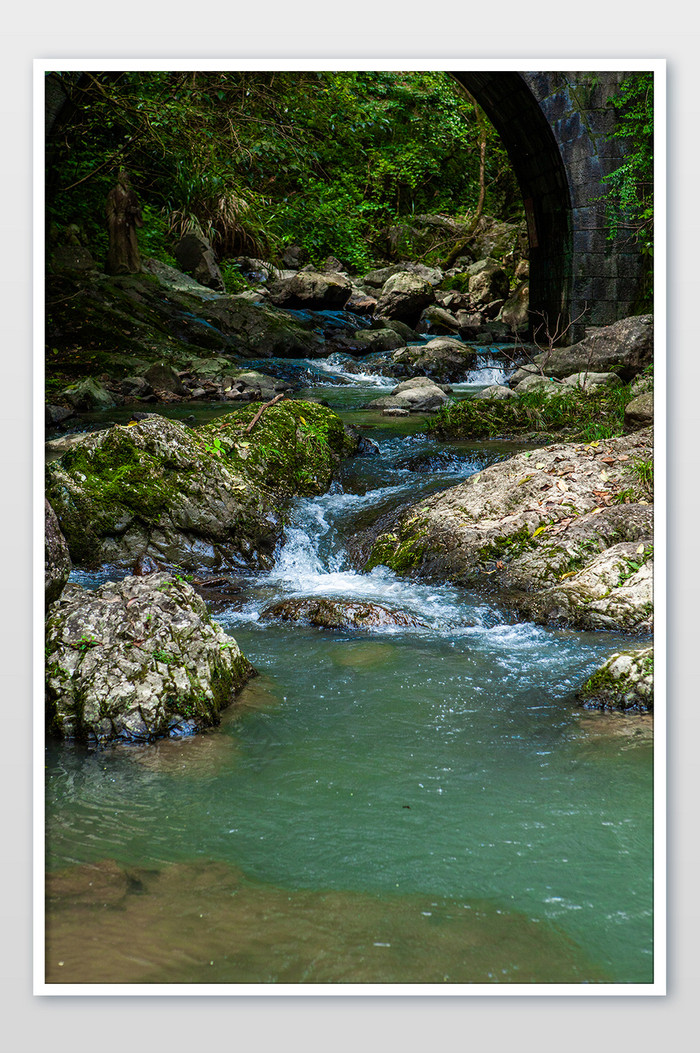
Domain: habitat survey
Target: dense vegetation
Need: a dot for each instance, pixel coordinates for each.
(578, 415)
(630, 198)
(331, 161)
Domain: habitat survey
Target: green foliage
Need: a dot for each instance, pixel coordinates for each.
(586, 417)
(644, 472)
(630, 195)
(258, 160)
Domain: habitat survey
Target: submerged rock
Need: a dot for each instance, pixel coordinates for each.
(340, 614)
(625, 681)
(544, 529)
(136, 660)
(202, 497)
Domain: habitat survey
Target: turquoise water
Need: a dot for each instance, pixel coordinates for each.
(438, 774)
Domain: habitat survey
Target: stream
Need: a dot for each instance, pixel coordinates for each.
(423, 805)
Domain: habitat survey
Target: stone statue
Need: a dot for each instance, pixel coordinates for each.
(123, 217)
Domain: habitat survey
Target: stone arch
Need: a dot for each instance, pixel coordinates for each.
(555, 128)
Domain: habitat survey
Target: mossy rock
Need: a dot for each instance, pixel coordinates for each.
(624, 682)
(193, 498)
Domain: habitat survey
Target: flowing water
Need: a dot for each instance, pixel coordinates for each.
(399, 805)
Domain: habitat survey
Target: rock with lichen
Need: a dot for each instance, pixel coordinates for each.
(625, 681)
(137, 660)
(563, 534)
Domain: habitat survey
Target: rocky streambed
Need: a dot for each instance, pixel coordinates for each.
(431, 616)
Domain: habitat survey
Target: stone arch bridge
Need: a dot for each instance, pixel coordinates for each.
(555, 128)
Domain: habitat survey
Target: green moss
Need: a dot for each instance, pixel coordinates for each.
(604, 691)
(294, 448)
(401, 556)
(113, 478)
(508, 545)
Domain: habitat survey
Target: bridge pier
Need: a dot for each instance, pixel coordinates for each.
(555, 127)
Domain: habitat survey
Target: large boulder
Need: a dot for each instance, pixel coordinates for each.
(263, 331)
(625, 681)
(444, 359)
(195, 498)
(626, 347)
(404, 296)
(57, 565)
(487, 282)
(312, 290)
(545, 530)
(137, 660)
(195, 256)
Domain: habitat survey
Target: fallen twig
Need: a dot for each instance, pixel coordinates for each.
(258, 415)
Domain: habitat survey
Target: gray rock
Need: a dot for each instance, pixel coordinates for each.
(54, 415)
(377, 340)
(340, 614)
(496, 391)
(162, 377)
(175, 280)
(89, 394)
(72, 258)
(419, 395)
(487, 282)
(312, 290)
(135, 387)
(137, 660)
(544, 530)
(515, 311)
(438, 320)
(641, 384)
(626, 347)
(625, 681)
(589, 382)
(376, 278)
(403, 297)
(535, 382)
(57, 565)
(639, 413)
(443, 359)
(196, 257)
(193, 497)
